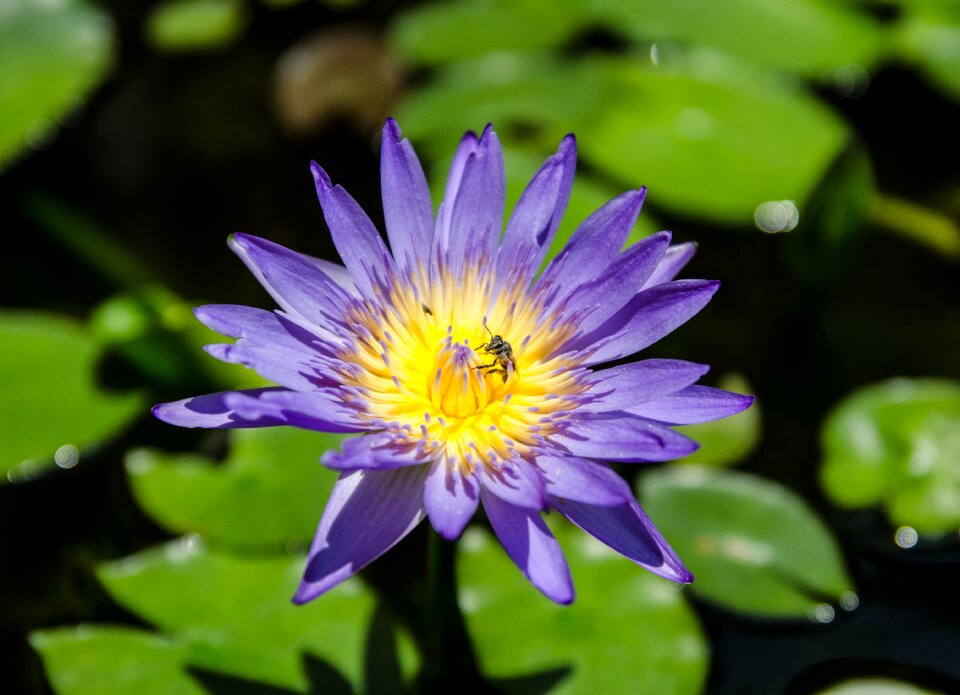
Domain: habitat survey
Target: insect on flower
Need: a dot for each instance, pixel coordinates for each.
(382, 347)
(503, 362)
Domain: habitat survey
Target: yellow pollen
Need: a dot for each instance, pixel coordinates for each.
(418, 351)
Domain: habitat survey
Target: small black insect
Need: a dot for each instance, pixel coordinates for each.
(426, 310)
(503, 355)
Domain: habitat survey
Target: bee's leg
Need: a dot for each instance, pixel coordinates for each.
(486, 366)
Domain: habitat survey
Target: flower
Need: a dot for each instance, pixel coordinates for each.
(469, 378)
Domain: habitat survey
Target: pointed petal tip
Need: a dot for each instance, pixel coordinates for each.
(301, 597)
(320, 177)
(392, 134)
(239, 241)
(746, 401)
(673, 570)
(564, 597)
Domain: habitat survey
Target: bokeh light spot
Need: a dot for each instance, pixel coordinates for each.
(776, 216)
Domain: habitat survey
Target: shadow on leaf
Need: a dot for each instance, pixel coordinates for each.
(532, 684)
(321, 675)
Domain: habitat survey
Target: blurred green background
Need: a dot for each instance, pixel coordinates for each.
(808, 146)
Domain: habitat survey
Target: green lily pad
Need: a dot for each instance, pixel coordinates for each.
(233, 615)
(753, 545)
(628, 631)
(730, 440)
(51, 55)
(443, 31)
(713, 139)
(897, 443)
(104, 660)
(802, 35)
(267, 494)
(191, 25)
(50, 403)
(538, 91)
(807, 36)
(929, 37)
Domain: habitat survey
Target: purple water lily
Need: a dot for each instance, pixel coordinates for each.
(469, 378)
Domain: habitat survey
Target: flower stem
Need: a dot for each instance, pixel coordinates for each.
(449, 658)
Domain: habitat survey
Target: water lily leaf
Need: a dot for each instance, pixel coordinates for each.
(713, 139)
(897, 443)
(929, 37)
(539, 92)
(444, 31)
(808, 36)
(730, 440)
(234, 616)
(104, 660)
(51, 55)
(753, 545)
(190, 25)
(50, 402)
(267, 494)
(628, 631)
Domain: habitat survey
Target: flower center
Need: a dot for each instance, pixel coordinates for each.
(433, 375)
(462, 384)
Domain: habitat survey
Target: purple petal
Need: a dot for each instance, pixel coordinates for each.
(337, 273)
(274, 346)
(450, 498)
(368, 513)
(407, 209)
(267, 327)
(627, 529)
(467, 146)
(595, 243)
(627, 385)
(598, 300)
(531, 546)
(476, 215)
(357, 240)
(621, 437)
(582, 480)
(517, 482)
(371, 451)
(650, 315)
(675, 258)
(535, 219)
(693, 404)
(288, 369)
(259, 408)
(294, 282)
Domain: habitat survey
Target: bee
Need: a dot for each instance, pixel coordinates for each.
(503, 355)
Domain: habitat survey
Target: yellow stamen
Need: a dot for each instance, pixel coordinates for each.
(419, 351)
